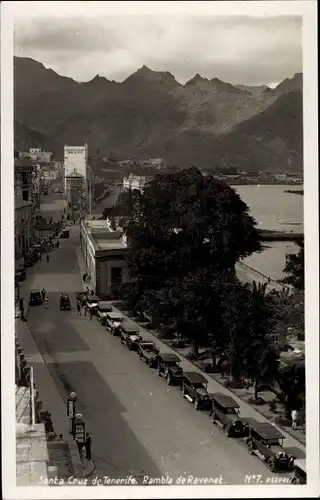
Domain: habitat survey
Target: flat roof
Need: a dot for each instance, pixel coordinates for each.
(266, 430)
(224, 400)
(18, 203)
(195, 378)
(106, 244)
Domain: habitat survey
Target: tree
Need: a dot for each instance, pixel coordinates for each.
(184, 222)
(294, 267)
(291, 387)
(247, 322)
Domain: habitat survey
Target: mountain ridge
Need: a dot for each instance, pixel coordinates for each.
(151, 113)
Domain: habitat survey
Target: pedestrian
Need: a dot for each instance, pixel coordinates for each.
(88, 446)
(294, 418)
(91, 312)
(92, 292)
(47, 257)
(87, 291)
(46, 302)
(78, 309)
(43, 293)
(84, 277)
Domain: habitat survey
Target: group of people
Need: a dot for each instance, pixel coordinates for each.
(82, 304)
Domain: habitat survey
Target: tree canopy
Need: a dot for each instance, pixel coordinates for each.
(185, 233)
(294, 268)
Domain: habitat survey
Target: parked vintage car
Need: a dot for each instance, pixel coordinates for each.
(35, 298)
(225, 411)
(299, 475)
(148, 352)
(65, 303)
(130, 336)
(168, 366)
(20, 274)
(102, 310)
(65, 233)
(92, 303)
(194, 388)
(266, 442)
(114, 322)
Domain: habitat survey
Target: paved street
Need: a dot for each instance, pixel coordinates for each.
(139, 425)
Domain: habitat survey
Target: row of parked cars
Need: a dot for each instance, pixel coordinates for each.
(262, 438)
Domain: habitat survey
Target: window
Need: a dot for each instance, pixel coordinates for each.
(116, 275)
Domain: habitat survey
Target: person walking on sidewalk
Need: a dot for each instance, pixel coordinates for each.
(43, 294)
(88, 446)
(294, 418)
(78, 308)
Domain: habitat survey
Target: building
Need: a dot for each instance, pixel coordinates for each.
(37, 155)
(105, 254)
(24, 173)
(135, 182)
(76, 158)
(23, 227)
(75, 189)
(154, 163)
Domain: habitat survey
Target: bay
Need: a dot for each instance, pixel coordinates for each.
(273, 209)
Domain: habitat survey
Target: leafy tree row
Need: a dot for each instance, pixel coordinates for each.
(186, 232)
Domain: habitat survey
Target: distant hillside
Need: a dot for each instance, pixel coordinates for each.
(24, 139)
(151, 114)
(255, 90)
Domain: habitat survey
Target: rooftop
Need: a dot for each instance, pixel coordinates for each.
(18, 203)
(75, 175)
(102, 236)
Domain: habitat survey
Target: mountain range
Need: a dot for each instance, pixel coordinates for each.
(205, 122)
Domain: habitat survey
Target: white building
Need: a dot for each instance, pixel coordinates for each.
(135, 182)
(105, 255)
(154, 162)
(39, 155)
(76, 158)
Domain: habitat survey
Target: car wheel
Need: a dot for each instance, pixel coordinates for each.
(196, 404)
(168, 379)
(271, 465)
(227, 431)
(250, 447)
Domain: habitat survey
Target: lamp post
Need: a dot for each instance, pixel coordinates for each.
(71, 410)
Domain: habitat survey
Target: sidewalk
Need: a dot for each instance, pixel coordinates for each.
(51, 399)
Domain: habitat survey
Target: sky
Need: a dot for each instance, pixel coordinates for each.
(236, 49)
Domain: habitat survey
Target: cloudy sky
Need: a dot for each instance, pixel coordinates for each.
(239, 50)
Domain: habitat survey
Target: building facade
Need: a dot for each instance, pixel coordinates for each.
(23, 227)
(76, 158)
(105, 254)
(37, 155)
(24, 174)
(135, 182)
(75, 189)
